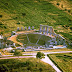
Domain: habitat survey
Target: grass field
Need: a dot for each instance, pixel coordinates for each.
(33, 38)
(26, 65)
(64, 61)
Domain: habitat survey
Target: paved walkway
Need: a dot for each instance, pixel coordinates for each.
(47, 53)
(47, 60)
(16, 57)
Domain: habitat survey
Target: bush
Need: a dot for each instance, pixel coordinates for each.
(40, 55)
(69, 11)
(4, 68)
(40, 69)
(29, 68)
(6, 4)
(54, 62)
(58, 4)
(62, 6)
(0, 16)
(23, 14)
(18, 23)
(71, 28)
(17, 53)
(65, 9)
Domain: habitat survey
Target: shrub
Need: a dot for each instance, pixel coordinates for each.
(23, 14)
(4, 68)
(6, 4)
(40, 69)
(0, 16)
(69, 11)
(71, 28)
(40, 55)
(29, 68)
(58, 4)
(17, 53)
(18, 23)
(62, 5)
(65, 9)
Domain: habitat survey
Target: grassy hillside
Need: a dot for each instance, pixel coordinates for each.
(24, 65)
(17, 13)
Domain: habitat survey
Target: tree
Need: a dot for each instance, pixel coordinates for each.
(71, 28)
(17, 53)
(62, 5)
(29, 68)
(40, 69)
(40, 55)
(69, 11)
(23, 14)
(0, 16)
(58, 4)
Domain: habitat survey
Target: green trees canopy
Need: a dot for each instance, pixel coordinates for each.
(40, 55)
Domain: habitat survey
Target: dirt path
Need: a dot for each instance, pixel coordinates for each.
(13, 38)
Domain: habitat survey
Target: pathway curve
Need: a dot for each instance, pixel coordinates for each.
(47, 60)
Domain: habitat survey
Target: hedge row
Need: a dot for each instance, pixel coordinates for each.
(54, 62)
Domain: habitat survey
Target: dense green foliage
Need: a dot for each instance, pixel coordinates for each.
(24, 65)
(40, 55)
(17, 53)
(63, 61)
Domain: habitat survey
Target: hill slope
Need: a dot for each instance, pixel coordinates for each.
(17, 13)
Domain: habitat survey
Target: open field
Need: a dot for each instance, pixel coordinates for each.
(26, 65)
(32, 38)
(63, 61)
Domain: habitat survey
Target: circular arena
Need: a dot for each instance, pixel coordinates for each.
(41, 40)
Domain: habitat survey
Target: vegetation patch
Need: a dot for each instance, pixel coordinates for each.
(24, 65)
(63, 61)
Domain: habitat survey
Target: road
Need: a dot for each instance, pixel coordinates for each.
(47, 53)
(16, 57)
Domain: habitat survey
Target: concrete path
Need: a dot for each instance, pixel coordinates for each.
(16, 57)
(47, 53)
(47, 60)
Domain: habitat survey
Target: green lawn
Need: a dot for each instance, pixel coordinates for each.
(26, 65)
(63, 61)
(33, 38)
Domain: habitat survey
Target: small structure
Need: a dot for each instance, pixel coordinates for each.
(21, 28)
(32, 27)
(1, 41)
(17, 28)
(29, 28)
(25, 28)
(8, 49)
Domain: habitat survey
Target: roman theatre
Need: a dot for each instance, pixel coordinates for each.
(31, 39)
